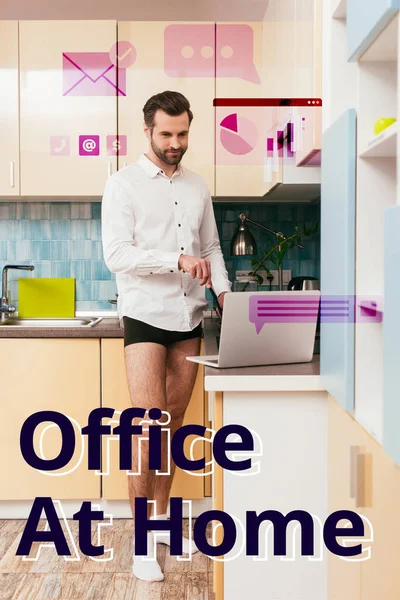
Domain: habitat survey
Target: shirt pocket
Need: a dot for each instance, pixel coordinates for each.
(194, 214)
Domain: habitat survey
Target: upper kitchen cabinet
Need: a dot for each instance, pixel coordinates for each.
(309, 123)
(9, 146)
(277, 66)
(161, 56)
(365, 22)
(238, 127)
(70, 78)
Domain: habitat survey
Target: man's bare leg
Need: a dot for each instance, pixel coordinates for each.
(146, 374)
(180, 379)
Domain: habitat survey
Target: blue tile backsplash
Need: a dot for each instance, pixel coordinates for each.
(64, 240)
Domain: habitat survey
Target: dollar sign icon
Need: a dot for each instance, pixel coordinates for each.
(116, 146)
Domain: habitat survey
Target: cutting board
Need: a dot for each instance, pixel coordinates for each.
(46, 297)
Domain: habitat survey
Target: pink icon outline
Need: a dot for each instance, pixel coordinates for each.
(60, 145)
(114, 149)
(92, 74)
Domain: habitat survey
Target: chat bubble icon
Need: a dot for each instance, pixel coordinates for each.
(189, 50)
(283, 308)
(234, 52)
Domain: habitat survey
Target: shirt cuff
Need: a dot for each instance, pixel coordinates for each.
(171, 261)
(222, 286)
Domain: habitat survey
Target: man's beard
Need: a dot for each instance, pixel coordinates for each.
(169, 159)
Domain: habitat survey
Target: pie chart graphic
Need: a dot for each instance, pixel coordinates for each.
(238, 135)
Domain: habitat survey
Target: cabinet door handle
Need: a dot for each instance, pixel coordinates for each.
(11, 173)
(361, 476)
(109, 168)
(364, 480)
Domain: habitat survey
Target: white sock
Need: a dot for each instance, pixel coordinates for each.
(143, 568)
(164, 537)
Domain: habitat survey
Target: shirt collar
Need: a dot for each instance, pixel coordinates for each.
(152, 169)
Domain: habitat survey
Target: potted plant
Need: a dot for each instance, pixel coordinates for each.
(275, 253)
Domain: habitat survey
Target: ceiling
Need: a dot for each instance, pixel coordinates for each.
(135, 10)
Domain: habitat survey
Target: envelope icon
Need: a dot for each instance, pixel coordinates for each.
(92, 74)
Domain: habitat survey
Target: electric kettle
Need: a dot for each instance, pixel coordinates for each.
(303, 283)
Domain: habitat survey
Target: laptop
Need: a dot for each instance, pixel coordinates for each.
(266, 328)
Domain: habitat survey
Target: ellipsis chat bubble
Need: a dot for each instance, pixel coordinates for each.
(189, 51)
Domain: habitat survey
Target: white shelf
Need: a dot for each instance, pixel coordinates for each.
(340, 11)
(384, 48)
(382, 145)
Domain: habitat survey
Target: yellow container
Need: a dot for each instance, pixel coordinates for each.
(46, 297)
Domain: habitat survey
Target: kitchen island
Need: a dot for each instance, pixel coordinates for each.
(286, 409)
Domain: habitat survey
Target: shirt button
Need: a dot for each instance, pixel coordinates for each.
(179, 224)
(184, 293)
(176, 203)
(182, 248)
(151, 272)
(170, 180)
(171, 271)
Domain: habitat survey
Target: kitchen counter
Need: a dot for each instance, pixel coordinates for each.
(287, 377)
(107, 328)
(299, 376)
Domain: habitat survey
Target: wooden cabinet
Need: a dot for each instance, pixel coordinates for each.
(363, 478)
(344, 578)
(269, 68)
(239, 144)
(115, 394)
(308, 151)
(177, 57)
(47, 374)
(81, 97)
(68, 107)
(380, 576)
(9, 143)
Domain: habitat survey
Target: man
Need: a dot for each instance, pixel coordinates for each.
(160, 238)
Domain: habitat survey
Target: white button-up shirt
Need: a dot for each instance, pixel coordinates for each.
(148, 221)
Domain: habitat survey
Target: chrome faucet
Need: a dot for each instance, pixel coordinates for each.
(5, 308)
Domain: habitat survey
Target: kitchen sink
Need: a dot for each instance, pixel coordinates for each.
(56, 322)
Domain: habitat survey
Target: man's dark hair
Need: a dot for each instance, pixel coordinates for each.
(173, 103)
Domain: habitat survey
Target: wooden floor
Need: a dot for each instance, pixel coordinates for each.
(53, 578)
